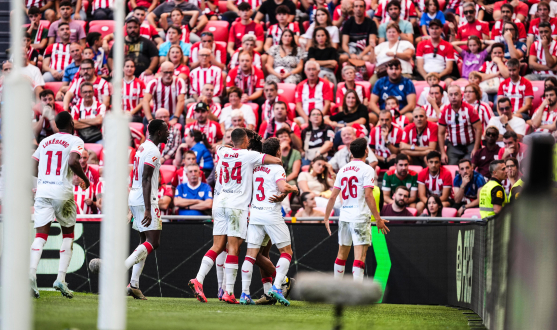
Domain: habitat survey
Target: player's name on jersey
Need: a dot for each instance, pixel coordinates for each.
(261, 169)
(54, 141)
(351, 168)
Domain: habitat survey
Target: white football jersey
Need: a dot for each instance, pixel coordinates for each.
(352, 179)
(235, 177)
(265, 180)
(55, 176)
(147, 154)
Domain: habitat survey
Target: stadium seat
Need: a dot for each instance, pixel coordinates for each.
(103, 27)
(412, 210)
(53, 86)
(167, 172)
(44, 23)
(461, 82)
(305, 168)
(473, 213)
(222, 7)
(219, 30)
(370, 69)
(97, 148)
(538, 89)
(291, 111)
(306, 25)
(419, 86)
(449, 212)
(85, 5)
(452, 168)
(365, 84)
(288, 91)
(137, 126)
(415, 168)
(255, 109)
(442, 5)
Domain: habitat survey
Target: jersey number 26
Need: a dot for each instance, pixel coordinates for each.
(349, 184)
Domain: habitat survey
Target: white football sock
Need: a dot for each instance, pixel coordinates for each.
(65, 256)
(206, 264)
(36, 252)
(136, 273)
(231, 270)
(141, 252)
(219, 264)
(247, 272)
(267, 284)
(282, 269)
(358, 271)
(339, 268)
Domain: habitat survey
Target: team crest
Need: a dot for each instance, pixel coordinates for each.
(478, 27)
(408, 184)
(442, 47)
(201, 194)
(401, 87)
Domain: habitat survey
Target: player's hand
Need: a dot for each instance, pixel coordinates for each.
(146, 218)
(84, 184)
(130, 216)
(277, 198)
(326, 221)
(381, 226)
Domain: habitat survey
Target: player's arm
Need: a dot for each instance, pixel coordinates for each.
(370, 200)
(148, 171)
(270, 160)
(73, 163)
(286, 188)
(330, 206)
(35, 170)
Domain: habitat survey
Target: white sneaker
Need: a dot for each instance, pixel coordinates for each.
(63, 288)
(34, 288)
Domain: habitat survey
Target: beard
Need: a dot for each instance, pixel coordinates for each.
(400, 202)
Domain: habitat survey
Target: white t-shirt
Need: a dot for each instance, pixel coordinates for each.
(147, 154)
(34, 74)
(226, 115)
(55, 176)
(265, 180)
(552, 9)
(425, 93)
(236, 177)
(383, 48)
(352, 179)
(517, 124)
(333, 33)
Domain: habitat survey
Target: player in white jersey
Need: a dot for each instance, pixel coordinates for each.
(144, 202)
(266, 222)
(57, 159)
(230, 210)
(355, 182)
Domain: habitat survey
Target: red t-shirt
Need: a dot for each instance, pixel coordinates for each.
(519, 155)
(472, 29)
(521, 9)
(516, 92)
(412, 137)
(535, 31)
(238, 30)
(497, 31)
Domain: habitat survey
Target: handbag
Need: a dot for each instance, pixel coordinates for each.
(490, 86)
(90, 134)
(381, 70)
(361, 70)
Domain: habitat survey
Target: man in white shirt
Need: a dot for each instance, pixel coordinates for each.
(33, 73)
(342, 157)
(507, 121)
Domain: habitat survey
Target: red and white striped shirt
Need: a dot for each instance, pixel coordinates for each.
(537, 50)
(275, 31)
(459, 123)
(81, 195)
(100, 89)
(248, 83)
(497, 30)
(218, 51)
(313, 97)
(235, 59)
(401, 121)
(429, 111)
(453, 4)
(535, 31)
(166, 96)
(165, 191)
(97, 4)
(491, 67)
(181, 69)
(34, 3)
(407, 10)
(435, 183)
(80, 111)
(267, 108)
(341, 90)
(132, 93)
(548, 118)
(59, 55)
(396, 134)
(429, 134)
(484, 112)
(254, 3)
(214, 107)
(211, 129)
(516, 92)
(185, 34)
(201, 76)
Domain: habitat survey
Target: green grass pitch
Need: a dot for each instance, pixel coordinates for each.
(52, 311)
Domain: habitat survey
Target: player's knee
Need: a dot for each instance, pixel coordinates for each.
(287, 249)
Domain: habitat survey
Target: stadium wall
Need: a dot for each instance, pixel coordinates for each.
(438, 264)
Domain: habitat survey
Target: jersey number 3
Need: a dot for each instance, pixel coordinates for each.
(260, 197)
(350, 185)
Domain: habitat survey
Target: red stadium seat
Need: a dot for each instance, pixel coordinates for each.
(219, 30)
(473, 213)
(44, 23)
(103, 27)
(412, 210)
(370, 69)
(222, 7)
(305, 168)
(442, 4)
(453, 169)
(53, 86)
(167, 172)
(288, 91)
(449, 212)
(85, 5)
(419, 86)
(538, 88)
(415, 168)
(306, 25)
(97, 148)
(461, 82)
(291, 111)
(137, 126)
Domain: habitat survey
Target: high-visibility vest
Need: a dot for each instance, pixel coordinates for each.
(486, 205)
(376, 196)
(518, 183)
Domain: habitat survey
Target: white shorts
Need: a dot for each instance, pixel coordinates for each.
(138, 213)
(230, 222)
(48, 209)
(358, 233)
(258, 235)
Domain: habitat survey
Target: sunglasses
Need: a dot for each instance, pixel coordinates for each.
(470, 12)
(491, 134)
(504, 108)
(435, 50)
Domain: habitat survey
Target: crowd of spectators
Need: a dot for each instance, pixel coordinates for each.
(440, 90)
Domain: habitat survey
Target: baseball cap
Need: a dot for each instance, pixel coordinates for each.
(436, 22)
(132, 19)
(201, 106)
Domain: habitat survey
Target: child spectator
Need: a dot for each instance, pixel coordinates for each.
(245, 26)
(391, 104)
(197, 142)
(176, 18)
(474, 57)
(37, 31)
(431, 12)
(432, 79)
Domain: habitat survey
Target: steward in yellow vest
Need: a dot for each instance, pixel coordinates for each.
(516, 190)
(492, 195)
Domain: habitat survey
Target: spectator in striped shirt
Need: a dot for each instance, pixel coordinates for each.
(546, 114)
(434, 180)
(167, 92)
(463, 127)
(84, 199)
(207, 98)
(71, 70)
(249, 79)
(385, 140)
(57, 56)
(420, 138)
(210, 128)
(132, 92)
(217, 51)
(313, 93)
(43, 7)
(88, 115)
(543, 55)
(280, 121)
(518, 89)
(274, 32)
(206, 73)
(434, 102)
(473, 96)
(174, 137)
(102, 10)
(87, 72)
(248, 45)
(245, 26)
